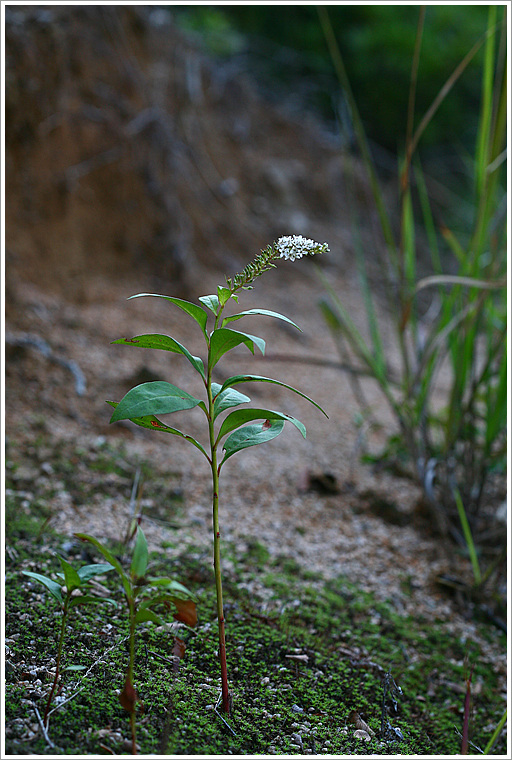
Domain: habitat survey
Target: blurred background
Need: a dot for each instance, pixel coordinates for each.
(163, 135)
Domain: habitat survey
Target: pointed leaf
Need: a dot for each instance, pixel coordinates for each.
(169, 585)
(89, 599)
(241, 416)
(192, 309)
(90, 571)
(74, 668)
(223, 340)
(53, 588)
(251, 435)
(153, 423)
(211, 302)
(140, 555)
(153, 398)
(261, 312)
(163, 342)
(237, 379)
(71, 578)
(110, 558)
(226, 399)
(223, 294)
(148, 616)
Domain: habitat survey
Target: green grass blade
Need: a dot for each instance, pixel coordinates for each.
(497, 731)
(468, 537)
(482, 154)
(428, 218)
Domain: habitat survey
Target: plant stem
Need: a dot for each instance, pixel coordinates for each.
(218, 587)
(59, 654)
(216, 552)
(130, 675)
(216, 533)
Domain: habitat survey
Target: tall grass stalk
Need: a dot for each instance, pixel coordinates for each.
(447, 326)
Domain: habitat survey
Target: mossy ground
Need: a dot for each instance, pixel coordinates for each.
(303, 652)
(281, 705)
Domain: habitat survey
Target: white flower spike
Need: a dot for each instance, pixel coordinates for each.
(295, 246)
(290, 247)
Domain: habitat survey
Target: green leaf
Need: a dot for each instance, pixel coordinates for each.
(251, 435)
(140, 555)
(223, 294)
(165, 343)
(75, 667)
(192, 309)
(153, 423)
(223, 340)
(226, 399)
(53, 588)
(237, 379)
(89, 599)
(153, 398)
(148, 616)
(90, 571)
(211, 302)
(71, 578)
(170, 585)
(110, 559)
(154, 601)
(241, 416)
(262, 312)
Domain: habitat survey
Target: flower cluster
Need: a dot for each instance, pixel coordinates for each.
(295, 246)
(289, 247)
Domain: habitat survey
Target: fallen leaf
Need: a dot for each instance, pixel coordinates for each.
(179, 647)
(187, 612)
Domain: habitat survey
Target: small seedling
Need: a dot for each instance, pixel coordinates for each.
(142, 595)
(142, 403)
(65, 592)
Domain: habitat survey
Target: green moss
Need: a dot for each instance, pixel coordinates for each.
(346, 638)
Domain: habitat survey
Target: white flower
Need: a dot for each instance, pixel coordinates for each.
(295, 246)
